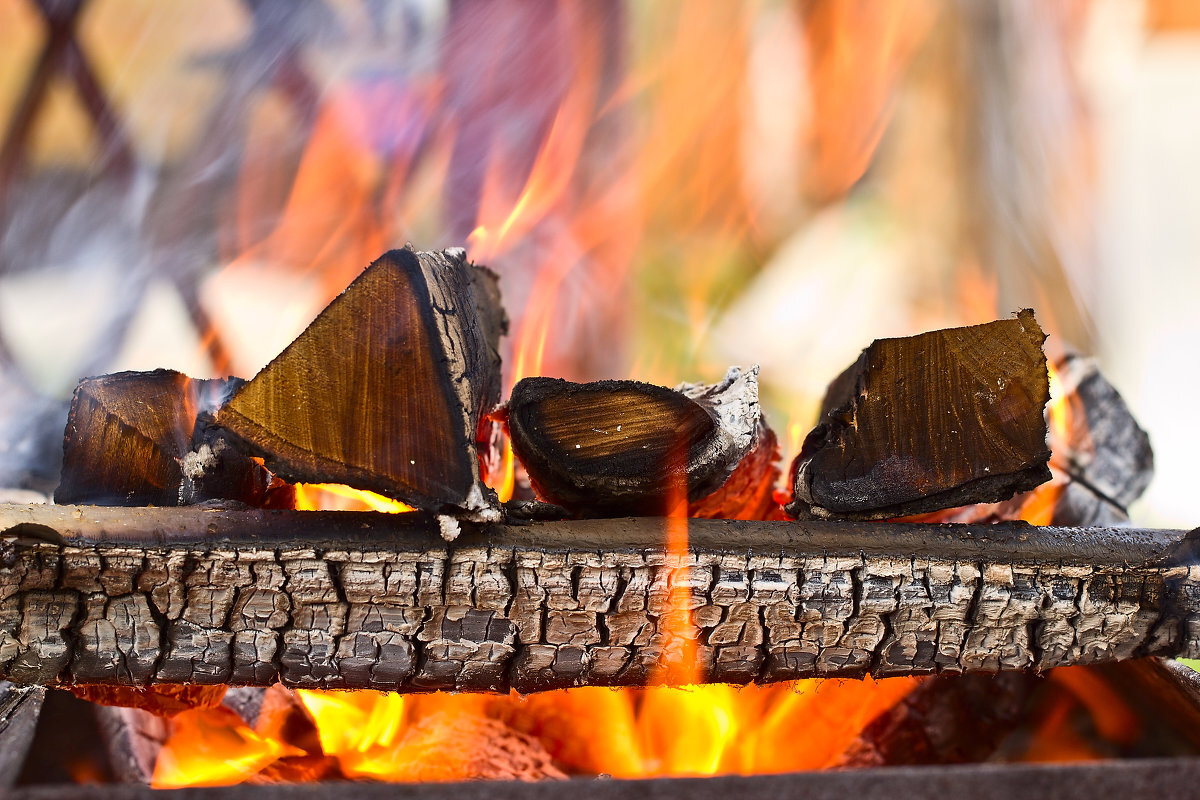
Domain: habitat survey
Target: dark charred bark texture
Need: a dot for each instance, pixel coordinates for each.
(388, 388)
(19, 710)
(927, 422)
(1105, 451)
(344, 599)
(624, 447)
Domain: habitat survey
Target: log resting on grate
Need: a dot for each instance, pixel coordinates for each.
(365, 600)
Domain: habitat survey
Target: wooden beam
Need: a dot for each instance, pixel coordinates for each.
(356, 600)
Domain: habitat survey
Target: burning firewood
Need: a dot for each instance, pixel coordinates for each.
(749, 491)
(624, 447)
(950, 719)
(129, 439)
(388, 388)
(1098, 444)
(928, 422)
(367, 600)
(1101, 459)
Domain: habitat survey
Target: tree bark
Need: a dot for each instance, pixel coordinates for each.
(365, 600)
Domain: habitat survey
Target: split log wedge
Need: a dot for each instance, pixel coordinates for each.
(388, 388)
(129, 439)
(927, 422)
(624, 447)
(363, 600)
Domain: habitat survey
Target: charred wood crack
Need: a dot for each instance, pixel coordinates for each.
(370, 601)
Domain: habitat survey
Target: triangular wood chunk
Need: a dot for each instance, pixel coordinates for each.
(387, 389)
(928, 422)
(624, 447)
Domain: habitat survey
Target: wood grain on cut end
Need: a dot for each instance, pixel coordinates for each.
(926, 422)
(385, 389)
(621, 447)
(129, 433)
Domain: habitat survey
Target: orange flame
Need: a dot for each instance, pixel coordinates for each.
(213, 747)
(338, 497)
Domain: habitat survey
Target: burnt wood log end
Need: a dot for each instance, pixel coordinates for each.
(927, 422)
(610, 448)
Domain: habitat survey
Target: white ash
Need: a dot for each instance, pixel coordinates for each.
(449, 527)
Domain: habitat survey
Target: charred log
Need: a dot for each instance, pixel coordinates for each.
(388, 388)
(929, 422)
(1101, 460)
(1101, 447)
(624, 447)
(950, 719)
(19, 710)
(362, 600)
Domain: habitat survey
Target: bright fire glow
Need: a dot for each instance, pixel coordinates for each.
(563, 228)
(337, 497)
(626, 733)
(213, 747)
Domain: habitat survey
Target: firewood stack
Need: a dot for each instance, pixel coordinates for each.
(395, 388)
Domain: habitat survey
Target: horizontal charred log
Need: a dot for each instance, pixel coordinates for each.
(357, 600)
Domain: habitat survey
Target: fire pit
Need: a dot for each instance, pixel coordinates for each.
(962, 584)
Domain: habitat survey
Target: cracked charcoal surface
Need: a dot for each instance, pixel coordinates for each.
(496, 610)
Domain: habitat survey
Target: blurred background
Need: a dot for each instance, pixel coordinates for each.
(665, 188)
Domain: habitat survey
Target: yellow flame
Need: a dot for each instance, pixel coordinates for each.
(1058, 411)
(210, 747)
(338, 497)
(354, 723)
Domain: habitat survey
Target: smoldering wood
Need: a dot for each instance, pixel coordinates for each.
(20, 707)
(949, 719)
(132, 739)
(365, 600)
(927, 422)
(625, 447)
(388, 388)
(1105, 450)
(1101, 459)
(749, 492)
(140, 438)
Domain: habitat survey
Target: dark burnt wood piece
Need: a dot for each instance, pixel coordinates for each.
(365, 600)
(928, 422)
(388, 389)
(1105, 450)
(950, 719)
(624, 447)
(125, 438)
(1101, 459)
(129, 441)
(20, 707)
(140, 438)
